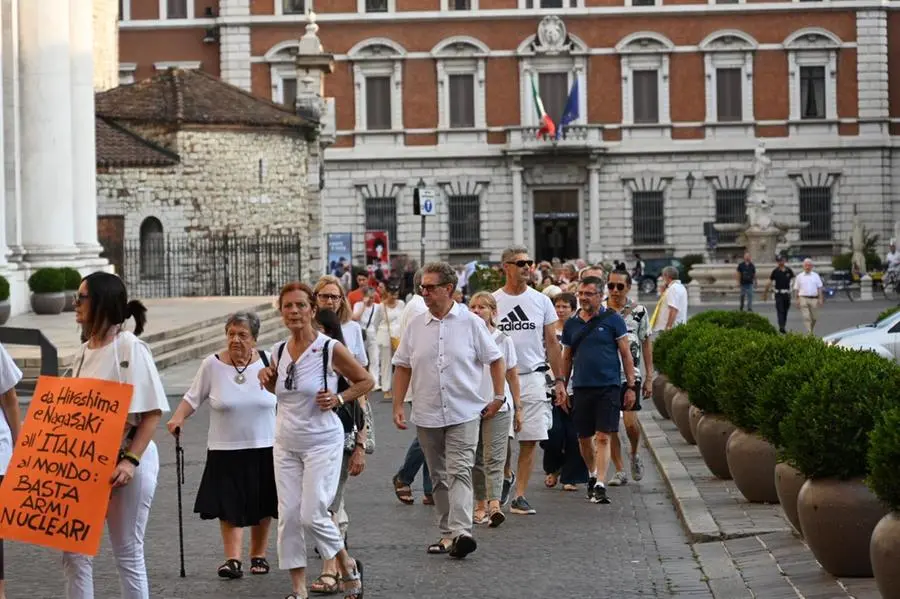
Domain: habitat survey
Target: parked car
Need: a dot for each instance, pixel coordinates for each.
(653, 268)
(882, 337)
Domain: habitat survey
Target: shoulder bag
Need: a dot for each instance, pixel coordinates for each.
(352, 417)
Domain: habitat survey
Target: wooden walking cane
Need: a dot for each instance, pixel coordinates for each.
(179, 474)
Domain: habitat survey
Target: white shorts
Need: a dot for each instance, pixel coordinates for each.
(537, 411)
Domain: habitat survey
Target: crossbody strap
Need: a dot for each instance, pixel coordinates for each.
(590, 328)
(325, 365)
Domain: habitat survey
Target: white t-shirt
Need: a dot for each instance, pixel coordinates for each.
(808, 284)
(353, 338)
(126, 360)
(892, 259)
(366, 317)
(300, 425)
(504, 342)
(242, 416)
(523, 317)
(10, 375)
(676, 297)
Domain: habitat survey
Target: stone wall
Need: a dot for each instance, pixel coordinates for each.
(242, 182)
(864, 177)
(106, 44)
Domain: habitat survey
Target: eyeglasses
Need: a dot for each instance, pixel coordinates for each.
(587, 293)
(431, 288)
(329, 297)
(289, 378)
(521, 263)
(616, 286)
(81, 297)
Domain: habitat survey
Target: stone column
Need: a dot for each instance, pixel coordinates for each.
(9, 17)
(234, 44)
(518, 216)
(3, 249)
(594, 210)
(46, 131)
(84, 153)
(872, 71)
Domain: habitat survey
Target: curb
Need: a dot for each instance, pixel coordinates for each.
(696, 518)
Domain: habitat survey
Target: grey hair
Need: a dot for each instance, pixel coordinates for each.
(417, 281)
(671, 272)
(448, 275)
(511, 251)
(245, 319)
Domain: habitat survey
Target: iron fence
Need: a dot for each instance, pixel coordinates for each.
(207, 265)
(815, 208)
(465, 222)
(648, 218)
(731, 207)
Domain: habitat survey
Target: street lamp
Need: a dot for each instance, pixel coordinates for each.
(690, 180)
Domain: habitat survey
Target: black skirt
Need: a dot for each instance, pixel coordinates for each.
(238, 487)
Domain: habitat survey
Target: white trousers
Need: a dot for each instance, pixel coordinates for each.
(306, 482)
(126, 519)
(373, 351)
(387, 370)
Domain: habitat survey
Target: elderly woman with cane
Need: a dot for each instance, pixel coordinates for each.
(309, 438)
(111, 353)
(238, 483)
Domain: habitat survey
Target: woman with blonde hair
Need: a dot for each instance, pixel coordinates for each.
(496, 421)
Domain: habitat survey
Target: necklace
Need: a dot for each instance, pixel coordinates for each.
(239, 378)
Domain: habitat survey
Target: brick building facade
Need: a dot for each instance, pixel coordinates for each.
(672, 98)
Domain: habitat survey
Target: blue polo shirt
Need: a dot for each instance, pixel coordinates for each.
(597, 362)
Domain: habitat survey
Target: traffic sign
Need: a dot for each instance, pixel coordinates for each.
(426, 201)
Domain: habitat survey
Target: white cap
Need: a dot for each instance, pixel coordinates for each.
(551, 291)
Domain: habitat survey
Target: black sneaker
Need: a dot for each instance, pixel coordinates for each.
(590, 487)
(599, 494)
(507, 486)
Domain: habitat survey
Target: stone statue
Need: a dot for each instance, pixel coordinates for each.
(858, 245)
(759, 207)
(551, 35)
(761, 165)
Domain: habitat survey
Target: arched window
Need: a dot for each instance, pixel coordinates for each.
(153, 251)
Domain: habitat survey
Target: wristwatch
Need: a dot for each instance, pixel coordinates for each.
(560, 379)
(631, 387)
(340, 399)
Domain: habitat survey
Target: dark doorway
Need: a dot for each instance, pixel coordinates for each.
(556, 224)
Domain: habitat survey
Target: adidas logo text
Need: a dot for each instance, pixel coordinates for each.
(516, 320)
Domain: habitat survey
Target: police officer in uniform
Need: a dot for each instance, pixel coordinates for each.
(783, 277)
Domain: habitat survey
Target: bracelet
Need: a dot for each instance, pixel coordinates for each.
(340, 399)
(560, 379)
(129, 457)
(499, 398)
(360, 445)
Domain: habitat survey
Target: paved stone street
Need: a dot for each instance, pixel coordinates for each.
(636, 547)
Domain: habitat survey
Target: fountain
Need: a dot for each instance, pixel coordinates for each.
(760, 235)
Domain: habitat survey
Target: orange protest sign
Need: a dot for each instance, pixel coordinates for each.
(56, 490)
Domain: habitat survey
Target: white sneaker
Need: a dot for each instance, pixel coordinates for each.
(618, 480)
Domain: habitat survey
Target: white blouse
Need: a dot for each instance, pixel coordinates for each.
(126, 360)
(242, 415)
(383, 332)
(10, 375)
(300, 425)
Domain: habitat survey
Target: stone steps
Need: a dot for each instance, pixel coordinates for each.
(177, 345)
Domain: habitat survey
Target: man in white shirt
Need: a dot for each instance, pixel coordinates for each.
(808, 292)
(892, 260)
(528, 317)
(671, 310)
(441, 358)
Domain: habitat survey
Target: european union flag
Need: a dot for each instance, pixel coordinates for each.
(570, 112)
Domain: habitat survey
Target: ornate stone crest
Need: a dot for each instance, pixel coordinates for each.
(552, 37)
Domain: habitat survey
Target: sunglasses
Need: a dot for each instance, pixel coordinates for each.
(522, 263)
(289, 378)
(616, 286)
(81, 297)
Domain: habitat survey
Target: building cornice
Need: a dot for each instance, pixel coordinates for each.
(514, 14)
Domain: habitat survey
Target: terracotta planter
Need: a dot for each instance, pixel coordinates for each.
(751, 461)
(884, 551)
(788, 481)
(659, 394)
(671, 392)
(694, 416)
(5, 310)
(681, 408)
(713, 431)
(838, 518)
(48, 303)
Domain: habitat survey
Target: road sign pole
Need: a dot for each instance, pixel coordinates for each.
(422, 249)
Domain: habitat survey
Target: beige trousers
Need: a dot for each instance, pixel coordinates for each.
(809, 309)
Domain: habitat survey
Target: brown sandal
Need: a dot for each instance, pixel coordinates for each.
(402, 491)
(321, 586)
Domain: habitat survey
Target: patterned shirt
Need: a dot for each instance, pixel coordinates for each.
(637, 323)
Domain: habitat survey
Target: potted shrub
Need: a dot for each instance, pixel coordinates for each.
(884, 480)
(826, 436)
(751, 458)
(5, 307)
(666, 344)
(72, 283)
(702, 374)
(730, 319)
(774, 399)
(47, 286)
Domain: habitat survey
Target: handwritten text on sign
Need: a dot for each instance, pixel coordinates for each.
(56, 490)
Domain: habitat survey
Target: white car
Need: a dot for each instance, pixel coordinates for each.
(882, 337)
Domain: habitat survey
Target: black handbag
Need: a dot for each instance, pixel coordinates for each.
(352, 417)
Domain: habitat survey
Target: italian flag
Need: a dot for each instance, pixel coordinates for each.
(547, 127)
